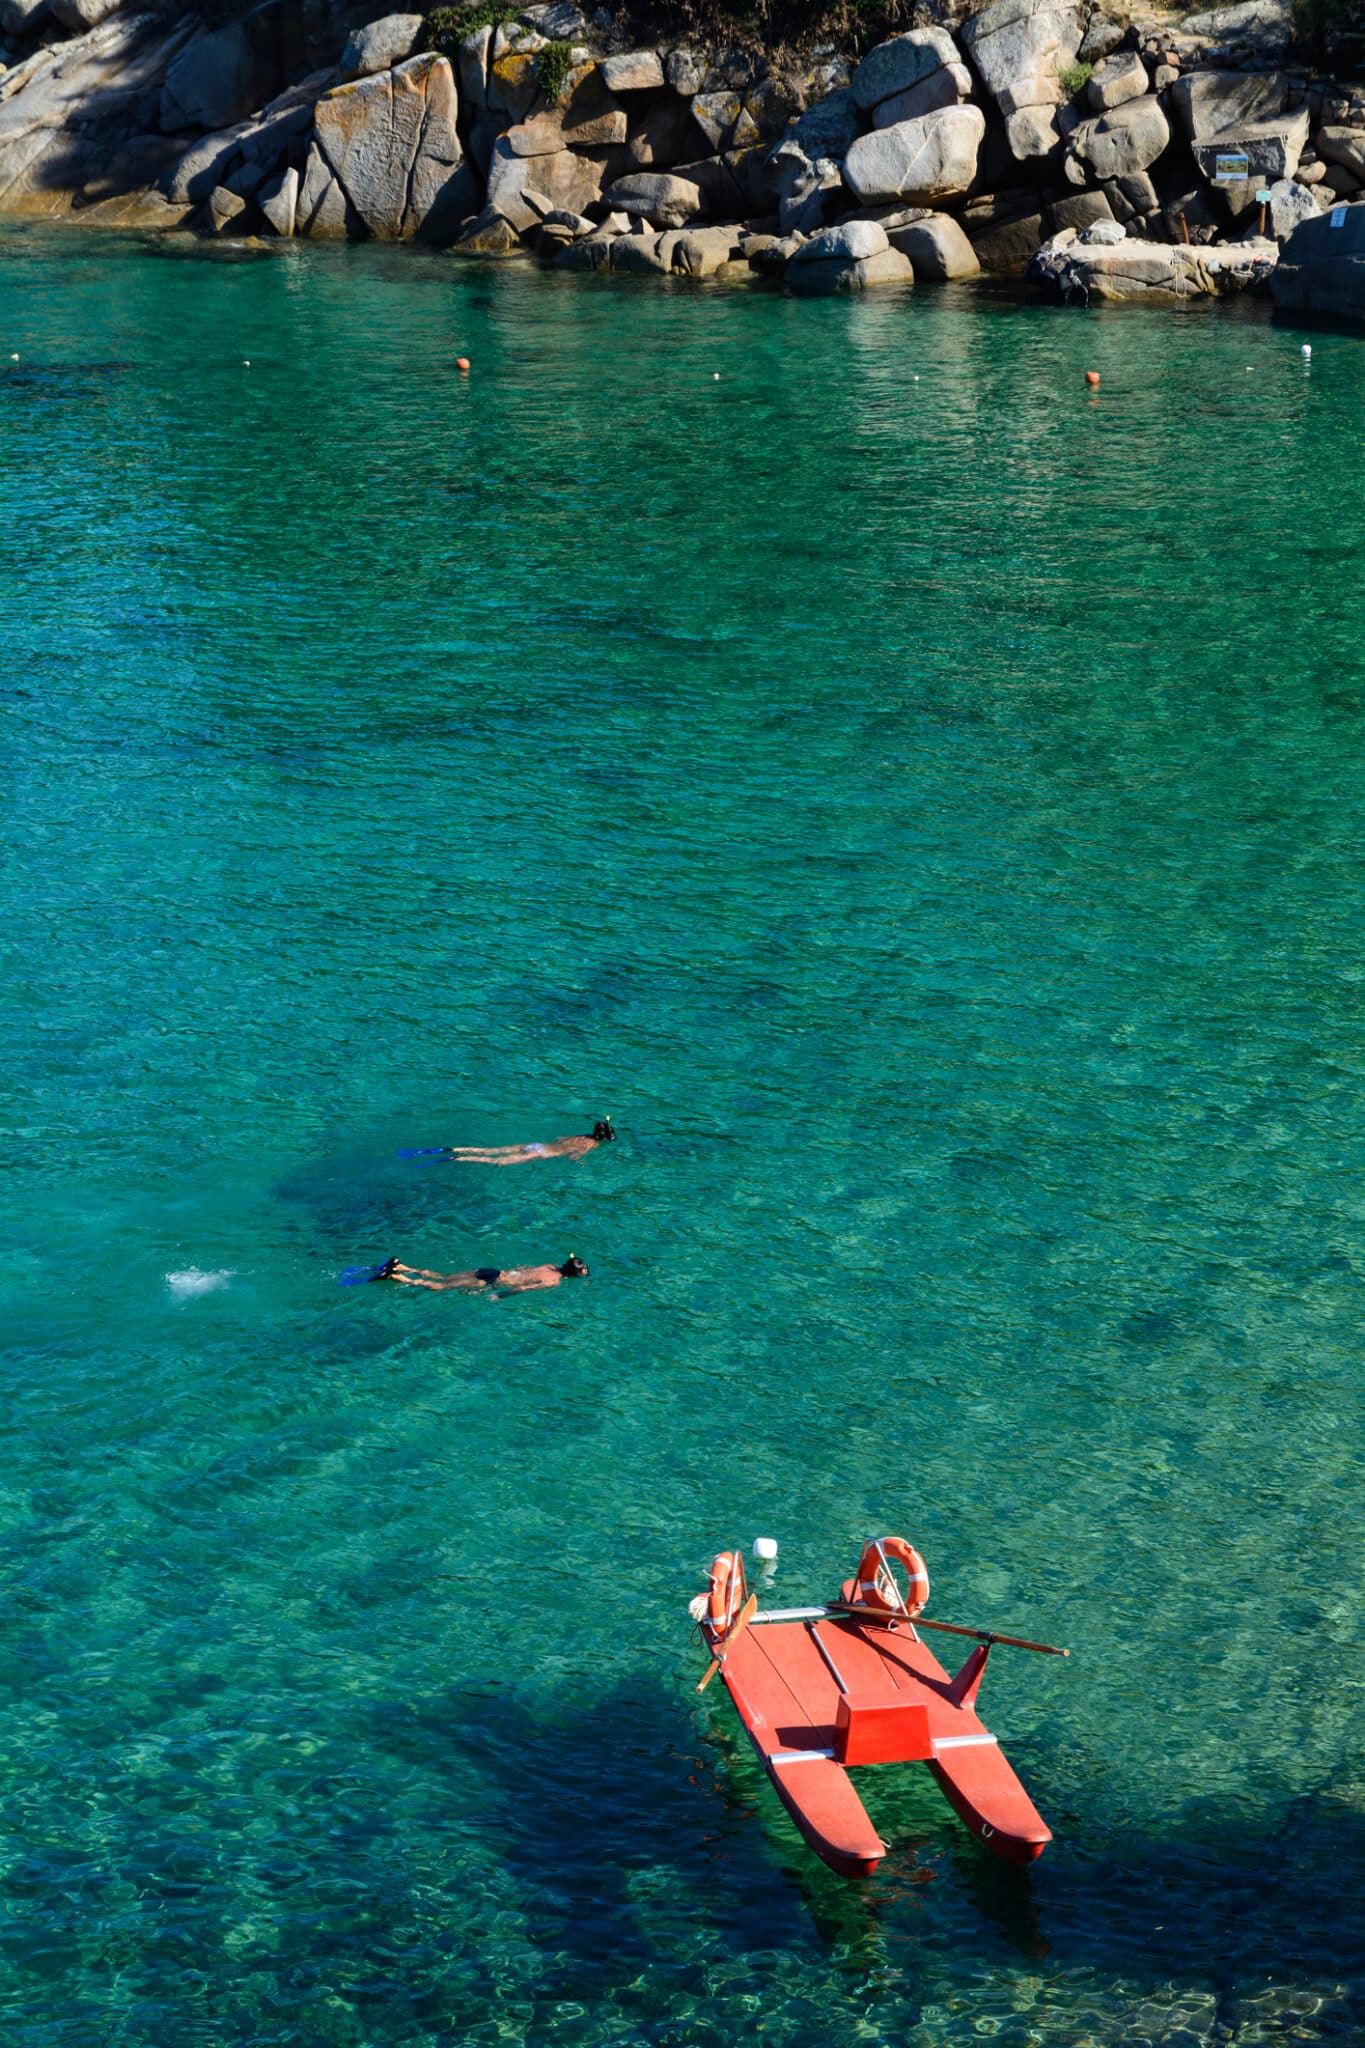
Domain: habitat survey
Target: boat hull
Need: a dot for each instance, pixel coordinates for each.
(808, 1687)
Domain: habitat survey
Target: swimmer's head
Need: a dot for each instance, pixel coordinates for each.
(573, 1268)
(603, 1132)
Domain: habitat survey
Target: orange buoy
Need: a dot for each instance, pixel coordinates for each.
(1092, 378)
(462, 362)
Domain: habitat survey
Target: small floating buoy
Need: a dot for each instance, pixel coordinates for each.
(765, 1549)
(246, 362)
(1092, 378)
(1306, 351)
(715, 376)
(462, 363)
(14, 359)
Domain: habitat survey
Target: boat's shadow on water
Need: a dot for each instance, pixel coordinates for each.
(639, 1839)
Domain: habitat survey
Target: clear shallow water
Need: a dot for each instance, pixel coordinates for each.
(927, 816)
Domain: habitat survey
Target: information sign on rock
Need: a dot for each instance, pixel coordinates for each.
(1231, 168)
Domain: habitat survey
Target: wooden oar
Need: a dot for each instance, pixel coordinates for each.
(949, 1628)
(742, 1620)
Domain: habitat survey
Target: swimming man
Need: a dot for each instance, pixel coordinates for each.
(517, 1155)
(485, 1279)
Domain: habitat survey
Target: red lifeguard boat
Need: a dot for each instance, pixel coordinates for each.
(821, 1690)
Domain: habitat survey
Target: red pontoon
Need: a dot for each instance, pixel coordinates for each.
(821, 1690)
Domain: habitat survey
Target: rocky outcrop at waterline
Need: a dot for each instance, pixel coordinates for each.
(1102, 159)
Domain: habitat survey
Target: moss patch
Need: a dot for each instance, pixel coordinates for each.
(552, 72)
(447, 27)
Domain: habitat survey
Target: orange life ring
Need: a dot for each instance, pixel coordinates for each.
(728, 1592)
(876, 1585)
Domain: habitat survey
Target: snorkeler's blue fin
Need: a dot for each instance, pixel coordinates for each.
(425, 1152)
(357, 1276)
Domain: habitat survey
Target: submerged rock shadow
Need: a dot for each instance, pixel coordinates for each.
(608, 1823)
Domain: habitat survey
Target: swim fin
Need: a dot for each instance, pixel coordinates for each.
(356, 1276)
(425, 1152)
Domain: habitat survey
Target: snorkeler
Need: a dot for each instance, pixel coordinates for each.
(483, 1280)
(517, 1155)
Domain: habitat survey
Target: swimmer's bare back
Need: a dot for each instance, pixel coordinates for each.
(519, 1155)
(488, 1279)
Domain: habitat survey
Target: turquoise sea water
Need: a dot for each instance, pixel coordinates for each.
(927, 815)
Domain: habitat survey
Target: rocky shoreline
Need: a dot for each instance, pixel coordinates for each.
(1095, 156)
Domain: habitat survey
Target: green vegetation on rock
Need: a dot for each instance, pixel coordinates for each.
(552, 72)
(1074, 78)
(447, 27)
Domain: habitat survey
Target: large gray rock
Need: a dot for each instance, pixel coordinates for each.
(226, 212)
(922, 161)
(391, 143)
(774, 102)
(828, 127)
(937, 247)
(657, 196)
(700, 252)
(1290, 204)
(588, 119)
(278, 199)
(489, 233)
(847, 273)
(380, 44)
(904, 61)
(1253, 28)
(558, 20)
(71, 109)
(1343, 146)
(1207, 104)
(808, 192)
(685, 71)
(1130, 195)
(634, 71)
(1118, 79)
(716, 113)
(1272, 148)
(854, 239)
(1020, 46)
(206, 163)
(1115, 144)
(1032, 132)
(942, 88)
(1004, 241)
(563, 180)
(322, 210)
(513, 80)
(1103, 36)
(215, 80)
(1079, 210)
(474, 60)
(1150, 270)
(594, 252)
(1322, 266)
(214, 159)
(644, 255)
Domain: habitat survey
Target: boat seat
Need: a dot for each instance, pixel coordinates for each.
(873, 1731)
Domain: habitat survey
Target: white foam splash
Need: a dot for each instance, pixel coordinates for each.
(185, 1286)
